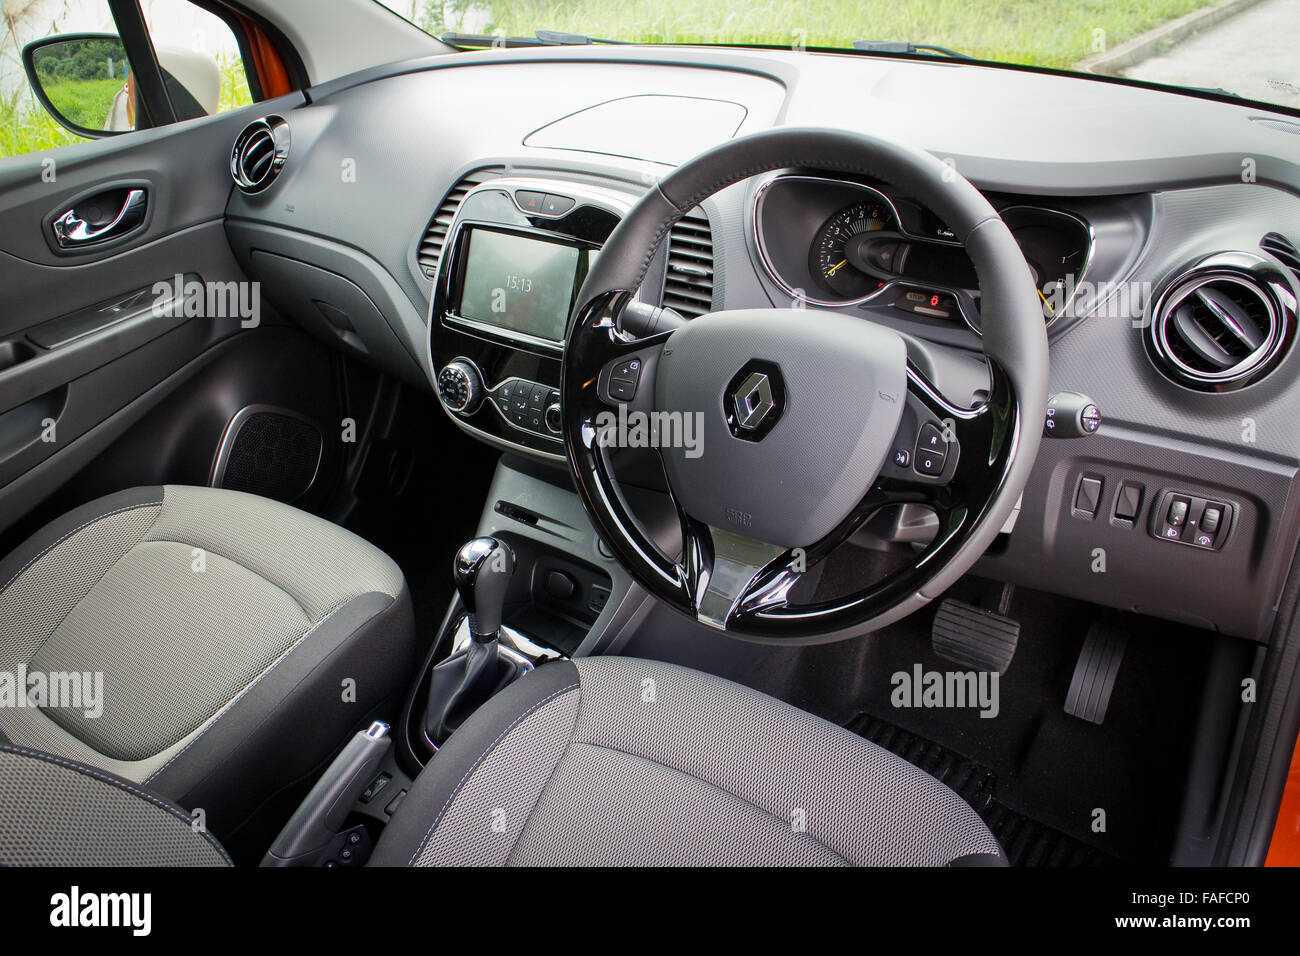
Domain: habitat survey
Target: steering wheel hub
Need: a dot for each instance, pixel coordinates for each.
(840, 384)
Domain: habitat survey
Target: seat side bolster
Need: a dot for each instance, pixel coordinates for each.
(49, 535)
(368, 641)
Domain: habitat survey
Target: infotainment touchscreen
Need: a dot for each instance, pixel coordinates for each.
(520, 283)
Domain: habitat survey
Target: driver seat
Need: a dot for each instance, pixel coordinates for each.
(598, 761)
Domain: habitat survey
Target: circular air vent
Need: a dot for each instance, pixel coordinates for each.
(259, 153)
(1223, 324)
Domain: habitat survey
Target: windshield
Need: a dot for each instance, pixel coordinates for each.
(1243, 47)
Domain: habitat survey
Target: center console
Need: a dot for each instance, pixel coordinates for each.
(517, 253)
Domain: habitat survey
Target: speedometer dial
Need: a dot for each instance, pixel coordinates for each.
(828, 262)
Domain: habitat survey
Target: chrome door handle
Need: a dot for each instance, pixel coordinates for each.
(71, 230)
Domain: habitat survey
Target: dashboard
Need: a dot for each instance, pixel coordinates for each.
(486, 183)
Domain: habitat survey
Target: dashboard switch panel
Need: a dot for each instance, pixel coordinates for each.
(1087, 496)
(1191, 520)
(524, 404)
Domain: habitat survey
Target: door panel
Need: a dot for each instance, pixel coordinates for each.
(86, 344)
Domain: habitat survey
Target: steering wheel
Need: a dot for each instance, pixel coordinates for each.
(782, 430)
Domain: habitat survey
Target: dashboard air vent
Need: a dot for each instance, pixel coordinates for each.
(688, 284)
(1281, 248)
(259, 153)
(1222, 325)
(430, 251)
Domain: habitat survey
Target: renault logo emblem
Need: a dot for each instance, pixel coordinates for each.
(754, 400)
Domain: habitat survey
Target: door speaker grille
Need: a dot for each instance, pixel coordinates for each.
(267, 451)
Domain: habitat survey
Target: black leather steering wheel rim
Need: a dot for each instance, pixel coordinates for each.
(998, 440)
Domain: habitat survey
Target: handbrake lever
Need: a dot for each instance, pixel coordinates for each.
(321, 815)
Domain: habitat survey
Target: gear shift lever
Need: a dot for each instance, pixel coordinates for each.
(460, 684)
(483, 569)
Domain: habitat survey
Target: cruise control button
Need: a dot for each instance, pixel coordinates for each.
(929, 463)
(621, 390)
(931, 439)
(629, 371)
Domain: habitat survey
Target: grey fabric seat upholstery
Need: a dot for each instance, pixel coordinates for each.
(612, 761)
(239, 641)
(603, 761)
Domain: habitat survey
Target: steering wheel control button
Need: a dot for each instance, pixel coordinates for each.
(929, 464)
(931, 440)
(1071, 415)
(623, 380)
(931, 452)
(902, 457)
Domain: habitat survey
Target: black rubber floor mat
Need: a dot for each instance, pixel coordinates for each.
(1027, 842)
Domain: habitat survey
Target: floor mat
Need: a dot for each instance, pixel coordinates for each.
(1027, 842)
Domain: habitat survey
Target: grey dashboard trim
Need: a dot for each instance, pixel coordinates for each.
(1113, 174)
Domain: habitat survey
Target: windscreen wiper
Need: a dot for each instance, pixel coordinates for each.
(899, 46)
(540, 38)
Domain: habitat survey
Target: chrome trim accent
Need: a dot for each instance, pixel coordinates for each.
(71, 231)
(1245, 270)
(922, 385)
(510, 642)
(277, 129)
(462, 367)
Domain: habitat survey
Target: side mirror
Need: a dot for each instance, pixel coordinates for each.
(84, 81)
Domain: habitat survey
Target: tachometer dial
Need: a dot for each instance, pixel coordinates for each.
(828, 262)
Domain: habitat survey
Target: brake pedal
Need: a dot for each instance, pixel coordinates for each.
(1095, 672)
(980, 639)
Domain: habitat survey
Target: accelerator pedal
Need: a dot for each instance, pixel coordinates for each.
(982, 640)
(1095, 672)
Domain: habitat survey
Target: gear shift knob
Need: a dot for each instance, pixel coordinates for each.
(483, 569)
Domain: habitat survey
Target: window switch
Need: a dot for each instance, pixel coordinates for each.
(1128, 502)
(1087, 497)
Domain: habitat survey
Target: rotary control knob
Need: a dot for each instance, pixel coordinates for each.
(553, 423)
(460, 387)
